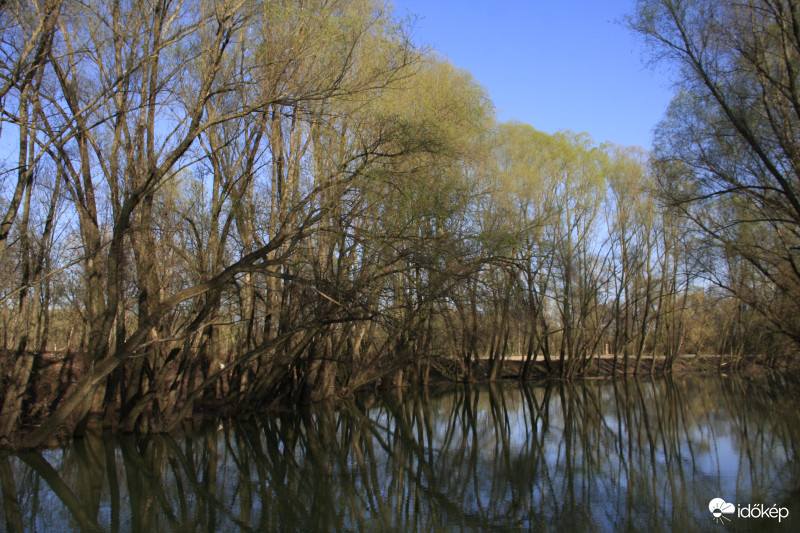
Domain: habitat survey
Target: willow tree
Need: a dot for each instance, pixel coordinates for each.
(732, 135)
(523, 203)
(577, 176)
(392, 249)
(634, 227)
(133, 90)
(27, 41)
(546, 274)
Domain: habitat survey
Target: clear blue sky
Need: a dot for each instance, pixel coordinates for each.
(554, 64)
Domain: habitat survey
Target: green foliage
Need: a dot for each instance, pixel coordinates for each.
(245, 202)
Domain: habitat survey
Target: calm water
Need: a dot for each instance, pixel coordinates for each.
(569, 456)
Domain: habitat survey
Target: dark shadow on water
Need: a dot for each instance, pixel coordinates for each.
(627, 455)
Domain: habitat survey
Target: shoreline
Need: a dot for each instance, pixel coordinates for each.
(602, 367)
(751, 366)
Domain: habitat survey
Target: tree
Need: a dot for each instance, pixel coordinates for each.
(633, 230)
(132, 90)
(730, 144)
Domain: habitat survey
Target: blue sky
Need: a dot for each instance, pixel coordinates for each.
(554, 64)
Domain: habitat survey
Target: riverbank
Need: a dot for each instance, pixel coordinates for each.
(604, 367)
(55, 374)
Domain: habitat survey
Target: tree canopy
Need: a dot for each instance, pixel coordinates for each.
(220, 206)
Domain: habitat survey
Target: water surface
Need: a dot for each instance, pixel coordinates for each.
(625, 455)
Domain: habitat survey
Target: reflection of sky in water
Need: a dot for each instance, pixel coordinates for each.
(596, 455)
(702, 458)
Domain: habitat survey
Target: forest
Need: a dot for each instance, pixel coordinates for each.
(223, 206)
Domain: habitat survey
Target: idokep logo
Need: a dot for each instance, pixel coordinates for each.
(719, 508)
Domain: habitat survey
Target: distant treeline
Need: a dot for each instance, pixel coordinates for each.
(230, 203)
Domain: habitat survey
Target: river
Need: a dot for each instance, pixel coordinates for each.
(622, 455)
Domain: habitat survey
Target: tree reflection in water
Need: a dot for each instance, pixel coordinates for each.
(625, 455)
